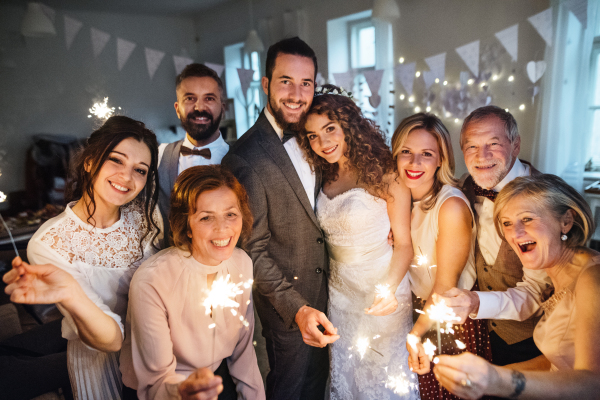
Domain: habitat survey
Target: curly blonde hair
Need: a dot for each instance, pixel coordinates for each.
(367, 152)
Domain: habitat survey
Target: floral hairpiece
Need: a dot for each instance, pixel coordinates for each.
(342, 92)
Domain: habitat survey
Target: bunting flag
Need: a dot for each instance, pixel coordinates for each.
(509, 38)
(124, 49)
(535, 70)
(246, 77)
(373, 79)
(319, 81)
(153, 60)
(218, 68)
(99, 40)
(542, 22)
(579, 9)
(344, 80)
(50, 12)
(437, 65)
(463, 77)
(72, 27)
(429, 78)
(470, 55)
(406, 76)
(181, 62)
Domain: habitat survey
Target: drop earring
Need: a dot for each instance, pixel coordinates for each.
(563, 237)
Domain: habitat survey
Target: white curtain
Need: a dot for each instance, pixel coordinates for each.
(561, 144)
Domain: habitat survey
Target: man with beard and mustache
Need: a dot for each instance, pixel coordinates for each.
(509, 296)
(286, 244)
(199, 107)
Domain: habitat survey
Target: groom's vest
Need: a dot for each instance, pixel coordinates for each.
(506, 272)
(167, 175)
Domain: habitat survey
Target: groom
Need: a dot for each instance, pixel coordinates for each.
(287, 244)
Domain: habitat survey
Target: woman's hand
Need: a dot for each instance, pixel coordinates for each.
(202, 384)
(38, 284)
(418, 361)
(466, 375)
(384, 303)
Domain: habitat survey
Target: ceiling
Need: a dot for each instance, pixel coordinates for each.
(151, 7)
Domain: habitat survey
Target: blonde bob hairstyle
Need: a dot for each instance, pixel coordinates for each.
(551, 193)
(190, 184)
(432, 124)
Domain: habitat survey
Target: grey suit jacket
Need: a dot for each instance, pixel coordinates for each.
(286, 245)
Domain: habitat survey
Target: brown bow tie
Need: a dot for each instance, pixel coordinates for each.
(479, 191)
(186, 151)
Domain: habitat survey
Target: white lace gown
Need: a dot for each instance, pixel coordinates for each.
(356, 226)
(103, 262)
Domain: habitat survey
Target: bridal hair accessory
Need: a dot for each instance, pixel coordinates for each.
(330, 90)
(564, 237)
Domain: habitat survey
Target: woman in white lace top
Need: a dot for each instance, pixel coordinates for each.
(84, 258)
(547, 223)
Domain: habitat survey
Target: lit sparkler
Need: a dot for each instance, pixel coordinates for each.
(383, 291)
(102, 110)
(460, 344)
(363, 344)
(429, 349)
(442, 314)
(400, 384)
(412, 341)
(2, 199)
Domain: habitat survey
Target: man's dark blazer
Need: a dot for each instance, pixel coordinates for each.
(286, 245)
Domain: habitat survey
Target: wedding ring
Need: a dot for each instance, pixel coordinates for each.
(466, 382)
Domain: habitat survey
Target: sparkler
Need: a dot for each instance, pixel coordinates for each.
(400, 384)
(382, 291)
(412, 341)
(442, 314)
(429, 349)
(102, 110)
(2, 199)
(460, 344)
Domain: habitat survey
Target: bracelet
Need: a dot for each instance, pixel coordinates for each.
(518, 381)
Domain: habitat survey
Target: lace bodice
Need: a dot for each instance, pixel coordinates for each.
(117, 246)
(356, 227)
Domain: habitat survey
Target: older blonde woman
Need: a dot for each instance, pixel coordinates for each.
(547, 223)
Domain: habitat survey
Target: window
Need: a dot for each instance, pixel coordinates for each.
(247, 105)
(362, 39)
(594, 162)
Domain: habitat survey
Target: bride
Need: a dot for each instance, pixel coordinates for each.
(360, 201)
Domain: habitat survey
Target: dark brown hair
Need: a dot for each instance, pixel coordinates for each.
(190, 184)
(367, 152)
(293, 46)
(99, 146)
(200, 71)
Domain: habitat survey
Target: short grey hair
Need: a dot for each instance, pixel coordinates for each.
(510, 125)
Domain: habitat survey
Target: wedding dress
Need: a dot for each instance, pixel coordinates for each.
(369, 360)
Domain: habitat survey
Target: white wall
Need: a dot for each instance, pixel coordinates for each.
(425, 28)
(50, 89)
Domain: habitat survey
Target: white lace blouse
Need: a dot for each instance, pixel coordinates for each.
(101, 260)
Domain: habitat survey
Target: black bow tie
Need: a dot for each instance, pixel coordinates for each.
(287, 135)
(479, 191)
(186, 151)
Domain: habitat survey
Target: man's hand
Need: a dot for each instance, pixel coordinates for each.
(308, 320)
(202, 384)
(463, 302)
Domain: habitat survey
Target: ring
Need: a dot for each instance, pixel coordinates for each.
(466, 382)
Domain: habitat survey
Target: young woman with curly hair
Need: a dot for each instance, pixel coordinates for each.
(361, 200)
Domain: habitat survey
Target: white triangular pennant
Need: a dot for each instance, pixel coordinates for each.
(319, 81)
(99, 40)
(542, 22)
(579, 9)
(429, 78)
(406, 76)
(373, 79)
(218, 68)
(50, 12)
(124, 49)
(437, 65)
(181, 62)
(153, 60)
(246, 77)
(344, 80)
(470, 55)
(72, 27)
(509, 38)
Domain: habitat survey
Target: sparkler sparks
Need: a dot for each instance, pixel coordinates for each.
(382, 291)
(460, 344)
(400, 384)
(412, 341)
(222, 294)
(442, 314)
(2, 199)
(429, 349)
(422, 259)
(362, 345)
(102, 110)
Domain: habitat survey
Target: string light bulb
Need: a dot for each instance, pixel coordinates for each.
(418, 74)
(522, 107)
(511, 78)
(401, 97)
(401, 60)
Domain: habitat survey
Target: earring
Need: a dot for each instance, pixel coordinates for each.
(563, 237)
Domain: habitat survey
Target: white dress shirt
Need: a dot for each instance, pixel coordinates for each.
(518, 303)
(305, 173)
(218, 149)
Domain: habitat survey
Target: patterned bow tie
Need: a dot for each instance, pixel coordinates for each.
(479, 191)
(287, 135)
(186, 151)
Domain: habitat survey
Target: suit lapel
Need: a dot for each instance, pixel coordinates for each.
(272, 145)
(174, 169)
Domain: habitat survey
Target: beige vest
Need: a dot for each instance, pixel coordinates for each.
(506, 272)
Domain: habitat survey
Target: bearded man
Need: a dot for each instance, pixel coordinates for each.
(199, 107)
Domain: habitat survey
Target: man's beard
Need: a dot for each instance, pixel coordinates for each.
(280, 117)
(491, 180)
(200, 131)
